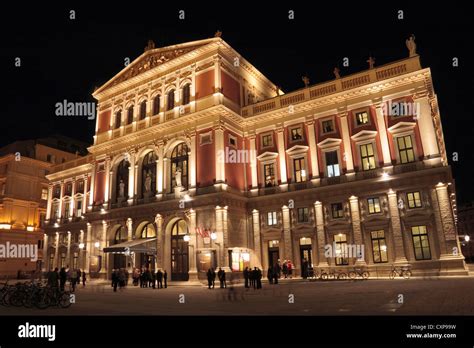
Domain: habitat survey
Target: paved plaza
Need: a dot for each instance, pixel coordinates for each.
(436, 296)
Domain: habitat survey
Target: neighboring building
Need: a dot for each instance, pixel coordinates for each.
(465, 216)
(23, 197)
(199, 161)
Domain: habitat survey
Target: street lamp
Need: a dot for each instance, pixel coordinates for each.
(81, 245)
(213, 235)
(467, 238)
(97, 244)
(186, 238)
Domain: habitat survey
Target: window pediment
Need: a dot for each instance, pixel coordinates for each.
(329, 143)
(401, 127)
(267, 155)
(297, 149)
(364, 135)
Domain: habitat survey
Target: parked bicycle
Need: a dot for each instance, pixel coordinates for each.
(359, 273)
(400, 272)
(332, 274)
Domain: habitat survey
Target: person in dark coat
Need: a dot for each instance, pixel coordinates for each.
(246, 277)
(84, 278)
(62, 278)
(209, 278)
(79, 273)
(115, 279)
(159, 279)
(276, 275)
(53, 278)
(221, 276)
(304, 270)
(254, 277)
(270, 275)
(259, 278)
(165, 278)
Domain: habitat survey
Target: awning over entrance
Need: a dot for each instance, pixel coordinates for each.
(137, 246)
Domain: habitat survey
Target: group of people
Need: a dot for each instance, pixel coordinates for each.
(211, 278)
(149, 279)
(253, 278)
(59, 279)
(274, 271)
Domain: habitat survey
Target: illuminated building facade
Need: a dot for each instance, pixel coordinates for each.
(200, 161)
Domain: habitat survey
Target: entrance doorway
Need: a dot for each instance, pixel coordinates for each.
(179, 252)
(147, 261)
(305, 254)
(273, 252)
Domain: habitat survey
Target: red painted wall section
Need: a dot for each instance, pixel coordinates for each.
(419, 145)
(234, 171)
(99, 189)
(205, 162)
(205, 84)
(104, 122)
(261, 150)
(336, 134)
(230, 88)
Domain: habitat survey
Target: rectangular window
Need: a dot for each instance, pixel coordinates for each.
(269, 173)
(299, 169)
(421, 243)
(271, 218)
(42, 217)
(362, 118)
(55, 214)
(44, 193)
(79, 207)
(232, 141)
(341, 249)
(337, 210)
(332, 164)
(66, 210)
(379, 246)
(328, 126)
(374, 205)
(267, 140)
(296, 134)
(303, 214)
(367, 156)
(405, 149)
(80, 186)
(205, 138)
(414, 200)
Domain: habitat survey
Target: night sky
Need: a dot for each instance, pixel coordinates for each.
(65, 59)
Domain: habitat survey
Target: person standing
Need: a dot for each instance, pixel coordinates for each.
(290, 268)
(73, 279)
(305, 269)
(115, 279)
(62, 278)
(209, 278)
(246, 277)
(165, 278)
(259, 278)
(53, 278)
(285, 269)
(159, 278)
(270, 275)
(276, 273)
(254, 277)
(84, 278)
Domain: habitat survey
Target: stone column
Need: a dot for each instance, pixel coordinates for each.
(400, 257)
(88, 246)
(56, 252)
(287, 253)
(225, 235)
(68, 254)
(347, 156)
(72, 201)
(253, 161)
(321, 234)
(50, 201)
(131, 177)
(91, 191)
(257, 238)
(282, 153)
(220, 236)
(217, 74)
(81, 262)
(219, 148)
(159, 168)
(193, 274)
(383, 135)
(357, 231)
(166, 173)
(192, 160)
(45, 252)
(103, 245)
(448, 229)
(60, 215)
(159, 241)
(313, 150)
(84, 198)
(108, 181)
(425, 124)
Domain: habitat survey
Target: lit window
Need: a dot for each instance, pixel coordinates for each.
(414, 200)
(296, 134)
(367, 156)
(271, 218)
(337, 210)
(328, 126)
(303, 214)
(267, 140)
(299, 169)
(79, 207)
(341, 250)
(269, 173)
(379, 246)
(362, 118)
(44, 193)
(405, 149)
(170, 105)
(421, 243)
(148, 231)
(374, 205)
(332, 164)
(66, 210)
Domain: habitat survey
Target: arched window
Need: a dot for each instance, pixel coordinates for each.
(149, 174)
(143, 110)
(121, 182)
(170, 100)
(130, 115)
(179, 228)
(118, 119)
(156, 105)
(186, 94)
(148, 231)
(179, 166)
(121, 235)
